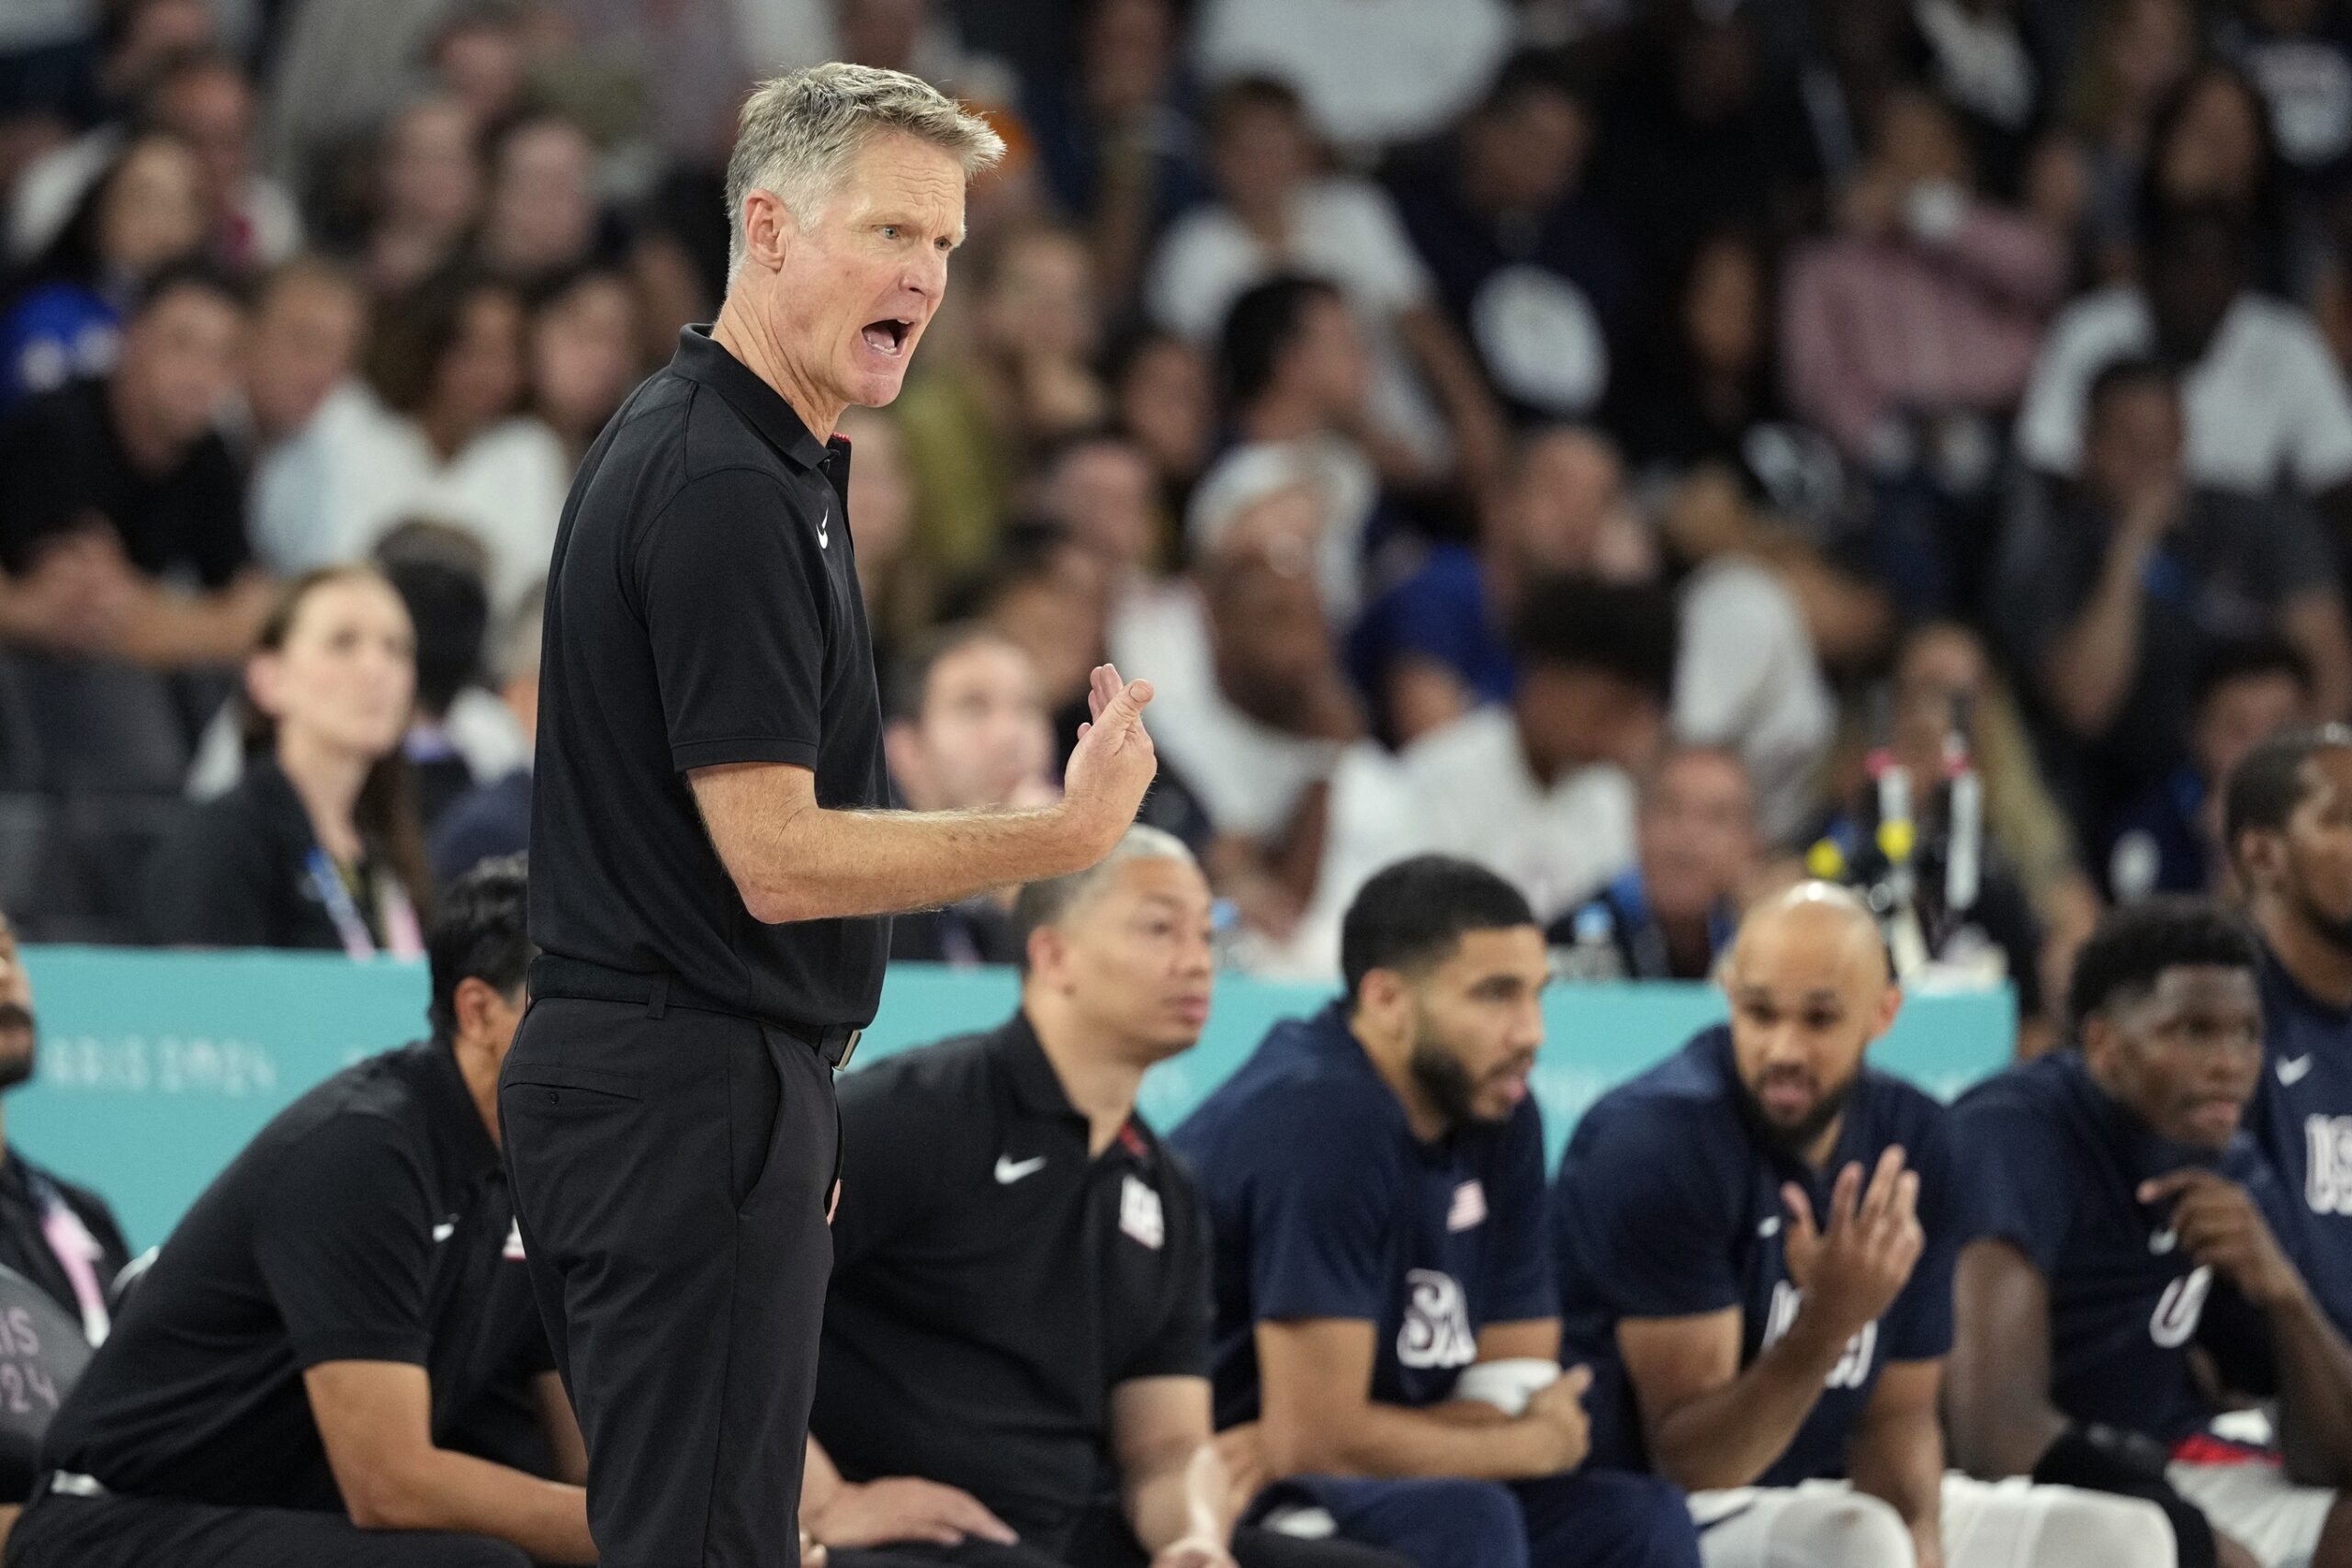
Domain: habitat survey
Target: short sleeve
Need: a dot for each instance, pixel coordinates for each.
(2015, 1168)
(343, 1235)
(1919, 1327)
(1181, 1347)
(1318, 1214)
(1639, 1219)
(2320, 454)
(737, 611)
(1521, 1281)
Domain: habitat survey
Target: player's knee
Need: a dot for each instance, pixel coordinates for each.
(1484, 1526)
(1849, 1530)
(2091, 1529)
(1648, 1519)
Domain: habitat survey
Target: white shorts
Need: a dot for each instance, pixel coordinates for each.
(2258, 1507)
(1996, 1523)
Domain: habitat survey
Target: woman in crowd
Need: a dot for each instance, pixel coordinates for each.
(145, 211)
(447, 363)
(319, 845)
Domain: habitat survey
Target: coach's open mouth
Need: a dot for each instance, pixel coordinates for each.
(887, 335)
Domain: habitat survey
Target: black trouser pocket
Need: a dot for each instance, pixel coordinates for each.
(754, 1104)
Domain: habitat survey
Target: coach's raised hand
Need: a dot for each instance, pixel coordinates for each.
(1114, 765)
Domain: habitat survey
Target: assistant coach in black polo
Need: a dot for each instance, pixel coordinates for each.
(711, 872)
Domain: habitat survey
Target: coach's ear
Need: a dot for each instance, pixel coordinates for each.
(1048, 956)
(768, 228)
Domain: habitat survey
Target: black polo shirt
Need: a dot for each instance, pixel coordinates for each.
(703, 609)
(993, 1283)
(368, 1221)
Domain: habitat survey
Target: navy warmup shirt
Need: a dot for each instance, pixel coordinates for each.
(1668, 1205)
(1323, 1204)
(2056, 1168)
(2301, 1121)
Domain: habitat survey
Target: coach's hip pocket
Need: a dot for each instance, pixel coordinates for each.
(539, 1088)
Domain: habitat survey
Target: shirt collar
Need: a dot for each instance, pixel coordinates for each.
(458, 1130)
(1021, 1063)
(1025, 1070)
(2282, 992)
(701, 358)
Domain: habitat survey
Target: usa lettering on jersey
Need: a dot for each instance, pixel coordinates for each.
(2327, 1177)
(1853, 1368)
(1436, 1330)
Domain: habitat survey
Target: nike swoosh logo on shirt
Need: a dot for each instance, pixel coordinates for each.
(1009, 1170)
(2293, 1072)
(445, 1230)
(823, 540)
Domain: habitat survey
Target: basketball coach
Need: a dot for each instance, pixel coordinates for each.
(711, 868)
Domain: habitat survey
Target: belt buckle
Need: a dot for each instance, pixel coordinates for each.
(849, 1049)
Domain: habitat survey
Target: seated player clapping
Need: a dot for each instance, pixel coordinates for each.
(1756, 1242)
(2124, 1297)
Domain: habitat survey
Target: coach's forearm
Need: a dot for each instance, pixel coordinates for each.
(831, 864)
(457, 1493)
(1731, 1435)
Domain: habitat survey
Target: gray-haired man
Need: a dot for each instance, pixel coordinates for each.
(709, 867)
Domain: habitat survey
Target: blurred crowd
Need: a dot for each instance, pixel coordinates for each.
(1607, 440)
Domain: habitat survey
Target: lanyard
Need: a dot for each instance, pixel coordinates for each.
(77, 1253)
(402, 936)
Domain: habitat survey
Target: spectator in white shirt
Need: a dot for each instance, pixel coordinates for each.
(1278, 214)
(2266, 407)
(1375, 71)
(447, 363)
(1541, 791)
(306, 408)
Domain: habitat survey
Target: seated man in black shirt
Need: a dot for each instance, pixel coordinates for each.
(280, 1390)
(1020, 1305)
(968, 731)
(122, 532)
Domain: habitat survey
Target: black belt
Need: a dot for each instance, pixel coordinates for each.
(580, 981)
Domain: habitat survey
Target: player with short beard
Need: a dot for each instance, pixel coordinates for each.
(1756, 1242)
(1374, 1180)
(62, 1238)
(2287, 820)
